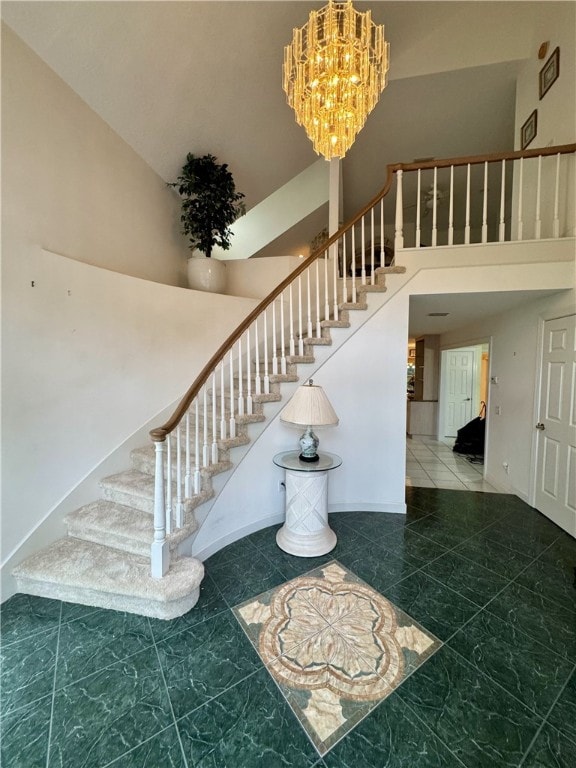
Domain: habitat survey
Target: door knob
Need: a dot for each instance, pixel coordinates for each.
(467, 399)
(540, 426)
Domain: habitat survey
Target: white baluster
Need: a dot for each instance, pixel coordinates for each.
(179, 499)
(467, 225)
(309, 304)
(214, 420)
(205, 453)
(249, 370)
(399, 223)
(188, 476)
(363, 253)
(353, 257)
(232, 422)
(435, 210)
(335, 280)
(451, 209)
(485, 206)
(538, 222)
(274, 344)
(197, 478)
(556, 221)
(159, 552)
(240, 380)
(222, 403)
(318, 327)
(326, 292)
(344, 269)
(257, 377)
(372, 236)
(300, 335)
(169, 485)
(520, 199)
(382, 236)
(418, 211)
(282, 337)
(502, 223)
(266, 376)
(292, 343)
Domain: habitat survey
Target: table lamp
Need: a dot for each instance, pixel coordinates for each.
(309, 407)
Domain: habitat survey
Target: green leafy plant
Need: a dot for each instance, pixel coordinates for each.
(210, 203)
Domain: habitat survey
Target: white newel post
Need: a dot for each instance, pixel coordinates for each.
(160, 553)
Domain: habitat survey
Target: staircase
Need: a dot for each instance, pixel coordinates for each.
(105, 559)
(128, 549)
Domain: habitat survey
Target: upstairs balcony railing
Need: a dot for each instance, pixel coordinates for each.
(493, 198)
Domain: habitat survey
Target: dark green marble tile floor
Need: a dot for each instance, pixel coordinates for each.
(489, 576)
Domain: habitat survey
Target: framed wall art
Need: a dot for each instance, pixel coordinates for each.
(529, 130)
(549, 73)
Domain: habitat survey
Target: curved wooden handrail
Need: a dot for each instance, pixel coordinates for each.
(159, 433)
(562, 149)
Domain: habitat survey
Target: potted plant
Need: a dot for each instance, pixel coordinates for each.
(210, 205)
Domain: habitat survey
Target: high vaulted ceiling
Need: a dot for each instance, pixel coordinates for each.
(178, 77)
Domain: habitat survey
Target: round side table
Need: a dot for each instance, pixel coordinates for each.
(306, 532)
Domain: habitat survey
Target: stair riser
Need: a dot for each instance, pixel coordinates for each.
(128, 499)
(155, 610)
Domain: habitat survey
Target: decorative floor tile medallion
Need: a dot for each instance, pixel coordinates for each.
(334, 646)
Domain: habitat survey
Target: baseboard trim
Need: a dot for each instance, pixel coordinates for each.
(397, 507)
(239, 533)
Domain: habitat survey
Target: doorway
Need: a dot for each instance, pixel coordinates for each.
(464, 375)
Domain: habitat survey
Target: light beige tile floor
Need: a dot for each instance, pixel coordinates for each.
(431, 463)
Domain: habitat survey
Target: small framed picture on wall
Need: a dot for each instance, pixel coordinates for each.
(549, 73)
(529, 130)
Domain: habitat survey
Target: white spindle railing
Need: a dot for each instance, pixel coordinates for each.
(512, 196)
(238, 377)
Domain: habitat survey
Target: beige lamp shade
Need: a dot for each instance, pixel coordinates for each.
(309, 407)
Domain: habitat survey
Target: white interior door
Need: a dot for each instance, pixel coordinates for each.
(556, 447)
(459, 377)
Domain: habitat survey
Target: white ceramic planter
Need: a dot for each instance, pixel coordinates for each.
(206, 274)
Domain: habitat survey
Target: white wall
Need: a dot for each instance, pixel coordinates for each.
(89, 356)
(280, 211)
(556, 120)
(71, 185)
(557, 110)
(514, 361)
(255, 278)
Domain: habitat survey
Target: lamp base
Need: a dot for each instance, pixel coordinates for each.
(309, 446)
(309, 459)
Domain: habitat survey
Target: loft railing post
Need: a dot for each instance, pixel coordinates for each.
(556, 220)
(418, 212)
(435, 210)
(160, 552)
(519, 233)
(399, 223)
(451, 209)
(467, 225)
(538, 220)
(485, 206)
(502, 224)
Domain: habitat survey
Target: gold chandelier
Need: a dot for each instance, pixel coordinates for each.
(334, 72)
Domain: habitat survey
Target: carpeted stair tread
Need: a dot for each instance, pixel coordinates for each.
(92, 574)
(121, 527)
